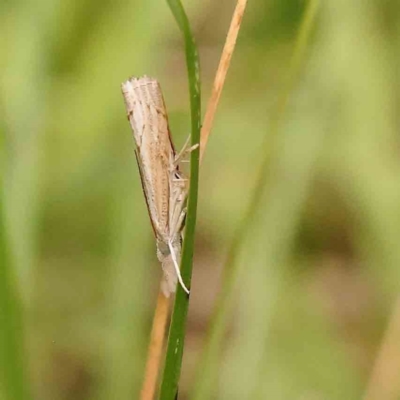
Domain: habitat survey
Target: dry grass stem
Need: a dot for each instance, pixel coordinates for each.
(155, 347)
(384, 383)
(220, 76)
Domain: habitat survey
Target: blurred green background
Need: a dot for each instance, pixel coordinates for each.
(320, 267)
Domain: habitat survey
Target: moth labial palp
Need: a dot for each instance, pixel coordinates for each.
(164, 186)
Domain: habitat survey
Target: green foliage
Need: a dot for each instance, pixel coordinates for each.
(176, 339)
(319, 263)
(13, 359)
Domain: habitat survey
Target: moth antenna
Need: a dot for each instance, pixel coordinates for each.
(177, 270)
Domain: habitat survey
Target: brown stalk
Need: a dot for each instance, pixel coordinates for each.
(155, 347)
(384, 383)
(162, 307)
(220, 76)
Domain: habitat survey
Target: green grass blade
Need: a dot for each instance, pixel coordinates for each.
(173, 362)
(12, 363)
(208, 364)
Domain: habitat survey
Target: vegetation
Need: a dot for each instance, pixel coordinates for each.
(318, 265)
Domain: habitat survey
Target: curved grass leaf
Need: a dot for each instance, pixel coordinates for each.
(173, 362)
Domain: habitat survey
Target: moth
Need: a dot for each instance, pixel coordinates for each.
(164, 186)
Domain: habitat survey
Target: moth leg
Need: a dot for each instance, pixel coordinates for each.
(185, 150)
(180, 182)
(179, 187)
(177, 208)
(177, 270)
(178, 213)
(177, 225)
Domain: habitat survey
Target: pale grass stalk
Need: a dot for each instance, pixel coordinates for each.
(220, 76)
(155, 347)
(162, 307)
(384, 383)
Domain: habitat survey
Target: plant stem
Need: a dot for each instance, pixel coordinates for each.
(155, 347)
(222, 70)
(384, 383)
(173, 362)
(13, 361)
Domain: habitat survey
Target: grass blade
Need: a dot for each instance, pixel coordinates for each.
(173, 362)
(12, 362)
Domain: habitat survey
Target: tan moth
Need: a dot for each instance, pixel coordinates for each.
(163, 184)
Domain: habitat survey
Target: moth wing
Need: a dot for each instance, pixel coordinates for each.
(154, 148)
(146, 195)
